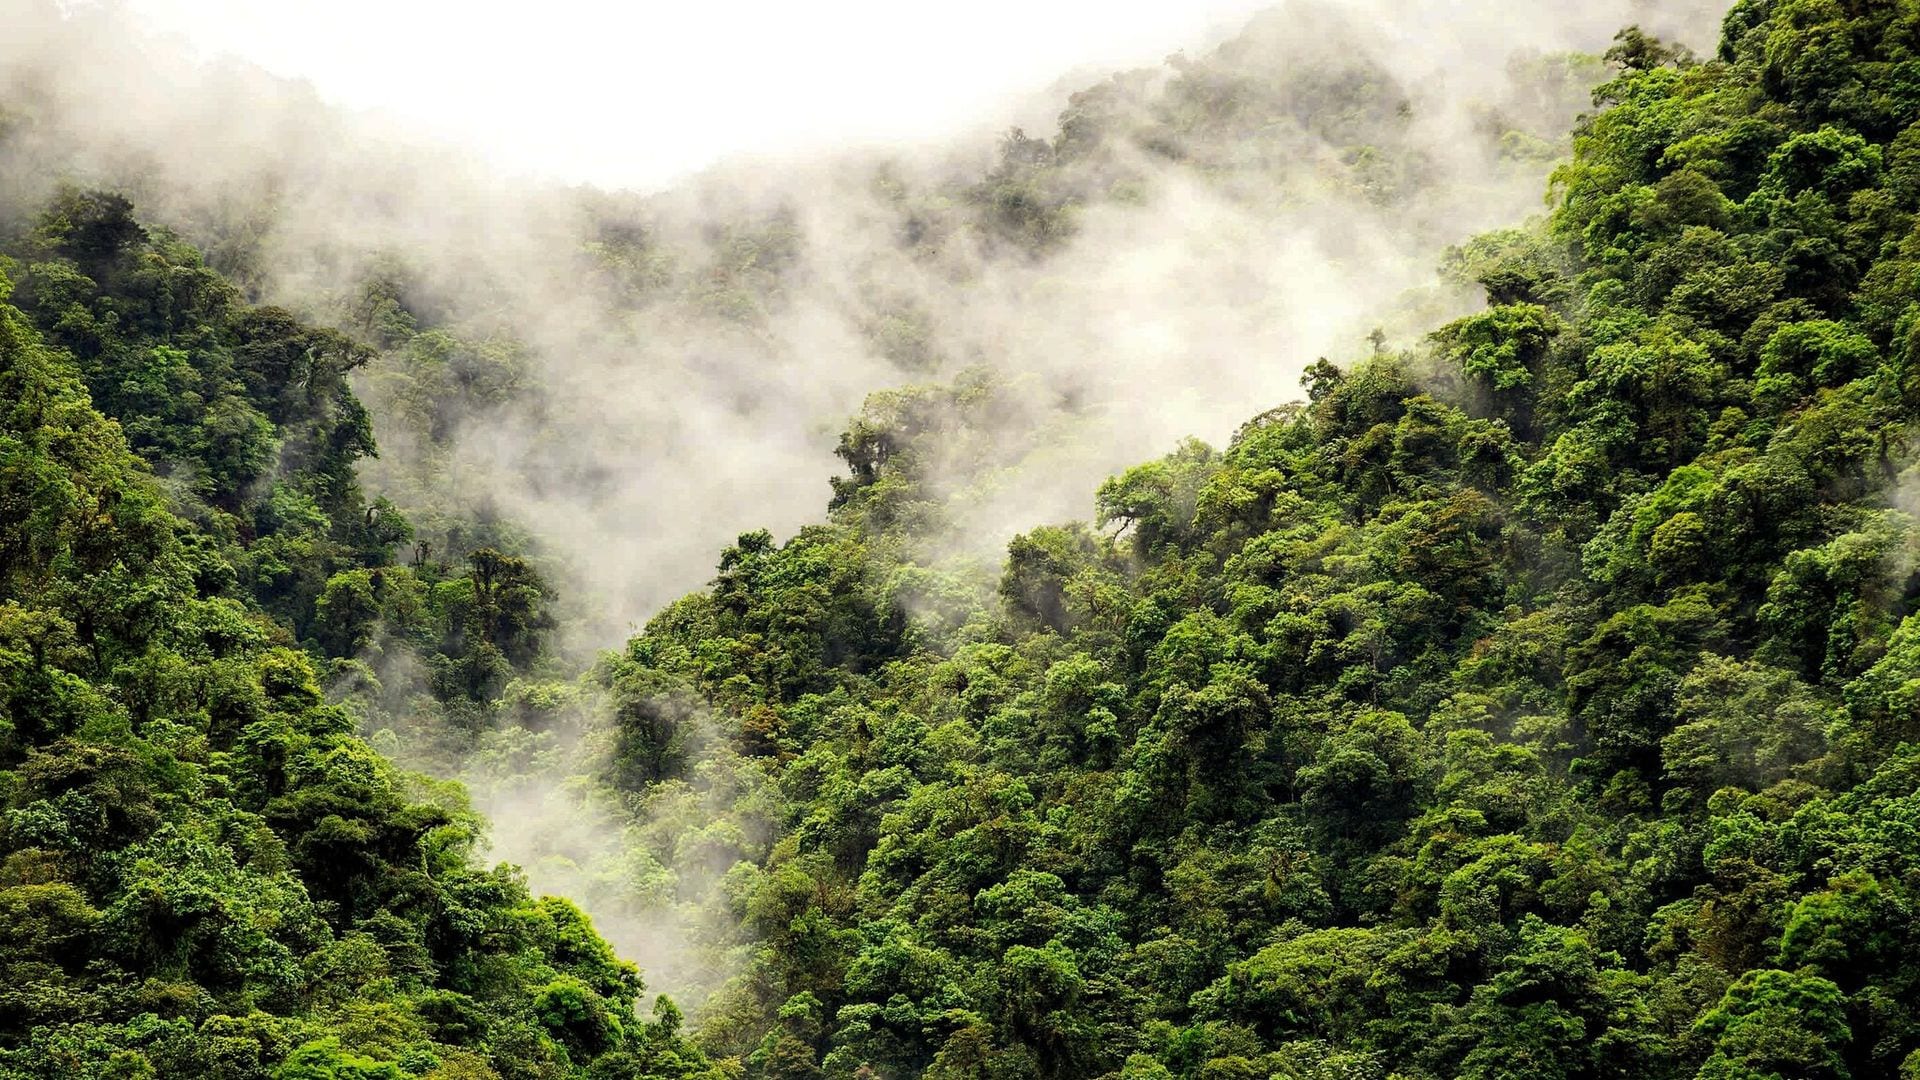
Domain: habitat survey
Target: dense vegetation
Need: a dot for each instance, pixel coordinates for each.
(203, 871)
(1543, 701)
(1537, 703)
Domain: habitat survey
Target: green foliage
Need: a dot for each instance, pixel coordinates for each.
(203, 872)
(1540, 702)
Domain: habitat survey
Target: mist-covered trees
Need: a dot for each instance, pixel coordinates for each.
(1534, 703)
(1537, 702)
(204, 872)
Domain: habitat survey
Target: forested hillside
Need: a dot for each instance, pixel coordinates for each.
(203, 871)
(1539, 700)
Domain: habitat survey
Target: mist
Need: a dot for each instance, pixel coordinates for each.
(665, 428)
(678, 364)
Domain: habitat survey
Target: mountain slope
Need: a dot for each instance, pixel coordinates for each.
(1534, 703)
(203, 871)
(1537, 702)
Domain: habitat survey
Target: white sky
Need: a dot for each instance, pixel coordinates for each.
(638, 93)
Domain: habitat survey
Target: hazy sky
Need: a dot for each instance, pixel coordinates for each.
(638, 93)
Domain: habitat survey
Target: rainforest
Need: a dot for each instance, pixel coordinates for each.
(1313, 567)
